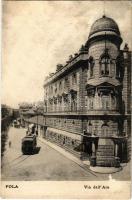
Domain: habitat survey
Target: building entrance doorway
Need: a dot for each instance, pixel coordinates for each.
(87, 148)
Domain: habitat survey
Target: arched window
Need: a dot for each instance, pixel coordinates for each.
(91, 66)
(105, 62)
(90, 127)
(105, 129)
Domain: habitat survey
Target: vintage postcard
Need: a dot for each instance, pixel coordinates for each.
(66, 99)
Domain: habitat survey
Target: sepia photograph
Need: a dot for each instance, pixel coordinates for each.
(66, 94)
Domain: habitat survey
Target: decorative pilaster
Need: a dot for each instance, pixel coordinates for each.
(116, 150)
(117, 159)
(93, 157)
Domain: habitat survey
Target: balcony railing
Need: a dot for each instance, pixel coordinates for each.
(82, 111)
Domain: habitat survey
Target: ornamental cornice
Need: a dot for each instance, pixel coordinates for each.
(83, 56)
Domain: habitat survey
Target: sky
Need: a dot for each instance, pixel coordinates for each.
(37, 35)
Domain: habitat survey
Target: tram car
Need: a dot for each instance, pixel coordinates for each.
(29, 144)
(16, 124)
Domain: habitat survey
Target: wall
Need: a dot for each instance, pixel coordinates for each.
(71, 124)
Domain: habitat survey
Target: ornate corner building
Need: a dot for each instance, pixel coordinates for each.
(87, 101)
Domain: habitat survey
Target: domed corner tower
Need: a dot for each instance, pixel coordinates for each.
(104, 95)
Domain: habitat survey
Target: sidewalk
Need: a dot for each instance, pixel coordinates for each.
(84, 164)
(123, 174)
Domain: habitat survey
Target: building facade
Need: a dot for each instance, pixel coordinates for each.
(87, 101)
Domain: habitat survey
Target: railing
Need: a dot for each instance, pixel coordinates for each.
(64, 112)
(84, 111)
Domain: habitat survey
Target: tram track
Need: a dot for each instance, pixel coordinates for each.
(23, 159)
(17, 160)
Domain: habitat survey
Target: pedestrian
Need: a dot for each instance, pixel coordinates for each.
(33, 129)
(9, 144)
(27, 132)
(36, 132)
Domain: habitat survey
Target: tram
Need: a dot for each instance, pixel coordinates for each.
(16, 124)
(29, 143)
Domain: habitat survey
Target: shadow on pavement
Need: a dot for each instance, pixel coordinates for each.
(36, 150)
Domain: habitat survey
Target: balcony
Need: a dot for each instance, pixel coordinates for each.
(102, 112)
(66, 112)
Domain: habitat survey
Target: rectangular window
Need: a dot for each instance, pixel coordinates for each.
(74, 78)
(91, 71)
(90, 129)
(86, 101)
(55, 87)
(60, 86)
(74, 103)
(105, 102)
(66, 82)
(91, 103)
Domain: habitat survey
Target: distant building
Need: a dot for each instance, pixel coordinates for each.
(16, 114)
(26, 111)
(6, 117)
(5, 111)
(32, 113)
(87, 101)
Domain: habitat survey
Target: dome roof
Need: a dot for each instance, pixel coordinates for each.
(104, 24)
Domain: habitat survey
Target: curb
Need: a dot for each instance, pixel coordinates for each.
(83, 164)
(62, 151)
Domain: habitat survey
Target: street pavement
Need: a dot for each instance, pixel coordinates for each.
(46, 164)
